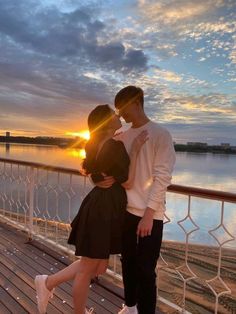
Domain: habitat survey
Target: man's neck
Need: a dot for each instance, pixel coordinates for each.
(140, 121)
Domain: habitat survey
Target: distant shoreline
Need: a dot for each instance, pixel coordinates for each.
(60, 142)
(214, 149)
(80, 143)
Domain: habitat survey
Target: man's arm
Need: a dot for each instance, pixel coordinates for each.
(162, 173)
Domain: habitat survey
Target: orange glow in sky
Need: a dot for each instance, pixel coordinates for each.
(83, 134)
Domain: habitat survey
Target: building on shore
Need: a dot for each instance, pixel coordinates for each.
(225, 145)
(198, 144)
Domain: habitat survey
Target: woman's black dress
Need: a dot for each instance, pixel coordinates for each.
(97, 228)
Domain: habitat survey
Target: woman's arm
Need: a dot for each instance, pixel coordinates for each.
(135, 149)
(125, 166)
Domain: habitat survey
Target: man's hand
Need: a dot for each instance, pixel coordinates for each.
(146, 223)
(106, 183)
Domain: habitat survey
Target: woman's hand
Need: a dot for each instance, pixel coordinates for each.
(106, 183)
(139, 141)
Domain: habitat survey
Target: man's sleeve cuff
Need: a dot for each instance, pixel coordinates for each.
(155, 205)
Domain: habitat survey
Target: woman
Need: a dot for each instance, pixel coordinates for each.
(97, 228)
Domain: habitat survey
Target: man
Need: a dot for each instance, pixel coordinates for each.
(146, 202)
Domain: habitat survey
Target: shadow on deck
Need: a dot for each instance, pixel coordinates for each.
(21, 261)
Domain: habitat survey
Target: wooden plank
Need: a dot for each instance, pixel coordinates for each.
(92, 295)
(34, 258)
(22, 292)
(23, 271)
(62, 257)
(103, 293)
(3, 309)
(9, 303)
(13, 234)
(107, 282)
(6, 281)
(40, 256)
(30, 268)
(95, 300)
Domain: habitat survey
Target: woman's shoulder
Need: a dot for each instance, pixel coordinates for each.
(113, 147)
(116, 143)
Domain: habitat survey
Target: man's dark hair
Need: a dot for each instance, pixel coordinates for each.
(128, 95)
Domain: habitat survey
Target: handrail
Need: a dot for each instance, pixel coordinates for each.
(180, 189)
(42, 166)
(204, 193)
(23, 206)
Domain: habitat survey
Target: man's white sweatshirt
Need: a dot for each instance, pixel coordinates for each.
(154, 168)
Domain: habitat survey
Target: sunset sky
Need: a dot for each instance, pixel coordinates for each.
(60, 58)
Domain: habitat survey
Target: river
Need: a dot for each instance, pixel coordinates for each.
(205, 170)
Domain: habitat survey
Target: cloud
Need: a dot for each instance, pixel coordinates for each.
(172, 12)
(173, 22)
(66, 36)
(48, 55)
(91, 75)
(175, 12)
(61, 58)
(211, 109)
(167, 75)
(213, 134)
(199, 50)
(232, 55)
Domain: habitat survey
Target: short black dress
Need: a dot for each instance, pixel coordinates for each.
(97, 228)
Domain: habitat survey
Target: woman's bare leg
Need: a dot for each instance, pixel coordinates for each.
(101, 267)
(63, 275)
(80, 292)
(81, 271)
(88, 269)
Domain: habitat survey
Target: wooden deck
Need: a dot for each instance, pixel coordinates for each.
(21, 261)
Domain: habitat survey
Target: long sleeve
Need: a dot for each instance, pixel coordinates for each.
(122, 161)
(97, 177)
(113, 161)
(163, 165)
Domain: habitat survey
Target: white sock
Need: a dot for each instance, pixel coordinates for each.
(132, 309)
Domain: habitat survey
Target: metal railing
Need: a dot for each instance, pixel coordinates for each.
(194, 275)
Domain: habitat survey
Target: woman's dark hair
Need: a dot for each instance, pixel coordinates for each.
(97, 124)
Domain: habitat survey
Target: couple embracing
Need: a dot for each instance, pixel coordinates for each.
(124, 212)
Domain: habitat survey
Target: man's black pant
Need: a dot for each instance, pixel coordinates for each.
(139, 258)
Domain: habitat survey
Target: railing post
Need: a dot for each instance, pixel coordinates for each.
(31, 203)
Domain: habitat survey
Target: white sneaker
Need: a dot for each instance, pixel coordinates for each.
(90, 311)
(127, 310)
(43, 294)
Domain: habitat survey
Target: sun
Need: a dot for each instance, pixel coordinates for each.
(83, 134)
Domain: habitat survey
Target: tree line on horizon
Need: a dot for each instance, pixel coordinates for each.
(80, 143)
